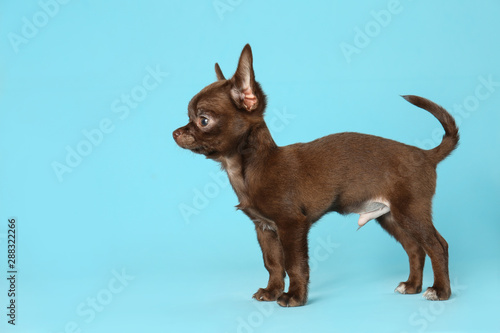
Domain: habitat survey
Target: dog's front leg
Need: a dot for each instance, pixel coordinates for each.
(274, 263)
(294, 242)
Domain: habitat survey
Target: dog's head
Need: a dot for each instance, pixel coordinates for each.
(222, 113)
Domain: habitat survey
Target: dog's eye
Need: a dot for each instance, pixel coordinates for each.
(204, 121)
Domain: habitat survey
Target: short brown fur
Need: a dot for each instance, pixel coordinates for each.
(284, 190)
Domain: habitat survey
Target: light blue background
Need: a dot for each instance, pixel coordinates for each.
(119, 210)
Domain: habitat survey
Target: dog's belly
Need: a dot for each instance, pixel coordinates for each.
(372, 209)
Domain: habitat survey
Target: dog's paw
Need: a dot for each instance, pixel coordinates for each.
(436, 294)
(408, 288)
(267, 295)
(289, 300)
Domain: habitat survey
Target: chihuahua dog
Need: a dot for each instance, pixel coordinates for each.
(284, 190)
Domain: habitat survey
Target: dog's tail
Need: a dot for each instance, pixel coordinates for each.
(451, 136)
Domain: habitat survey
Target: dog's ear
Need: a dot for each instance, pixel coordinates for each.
(218, 72)
(243, 90)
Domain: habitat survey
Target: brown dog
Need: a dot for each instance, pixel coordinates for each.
(284, 190)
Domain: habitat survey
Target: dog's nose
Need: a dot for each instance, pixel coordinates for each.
(177, 133)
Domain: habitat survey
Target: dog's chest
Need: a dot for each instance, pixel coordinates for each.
(234, 171)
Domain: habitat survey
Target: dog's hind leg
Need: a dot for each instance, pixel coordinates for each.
(416, 255)
(416, 220)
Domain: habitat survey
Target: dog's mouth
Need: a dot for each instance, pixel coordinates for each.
(203, 151)
(189, 142)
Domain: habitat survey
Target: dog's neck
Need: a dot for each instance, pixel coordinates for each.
(257, 144)
(251, 155)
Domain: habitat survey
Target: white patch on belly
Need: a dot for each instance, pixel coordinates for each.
(371, 210)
